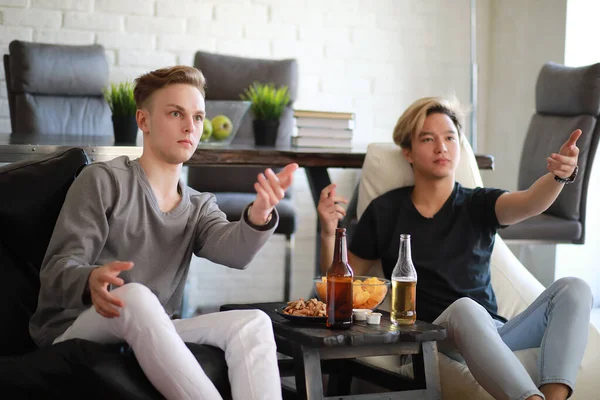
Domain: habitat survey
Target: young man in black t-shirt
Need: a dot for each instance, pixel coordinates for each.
(453, 230)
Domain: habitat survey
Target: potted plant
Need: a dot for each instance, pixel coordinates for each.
(268, 103)
(122, 104)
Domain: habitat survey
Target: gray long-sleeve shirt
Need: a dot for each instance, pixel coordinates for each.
(111, 213)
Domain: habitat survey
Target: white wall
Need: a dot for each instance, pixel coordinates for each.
(584, 260)
(373, 57)
(524, 35)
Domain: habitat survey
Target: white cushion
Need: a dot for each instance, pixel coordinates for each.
(384, 169)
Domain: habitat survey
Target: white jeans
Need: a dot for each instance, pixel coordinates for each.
(246, 337)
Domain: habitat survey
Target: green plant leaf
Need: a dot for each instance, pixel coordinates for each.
(120, 98)
(268, 102)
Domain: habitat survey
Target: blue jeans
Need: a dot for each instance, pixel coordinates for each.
(556, 322)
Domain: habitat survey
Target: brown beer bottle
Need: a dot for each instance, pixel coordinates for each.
(404, 286)
(339, 285)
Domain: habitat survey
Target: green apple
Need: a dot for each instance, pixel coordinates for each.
(207, 130)
(222, 127)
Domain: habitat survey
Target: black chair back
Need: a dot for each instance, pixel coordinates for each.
(31, 197)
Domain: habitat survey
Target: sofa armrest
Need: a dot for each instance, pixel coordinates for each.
(514, 285)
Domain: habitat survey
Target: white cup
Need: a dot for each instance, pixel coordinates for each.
(374, 318)
(360, 314)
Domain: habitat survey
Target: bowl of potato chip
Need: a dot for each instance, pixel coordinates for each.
(368, 291)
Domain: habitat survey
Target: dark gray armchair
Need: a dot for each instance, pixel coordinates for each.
(567, 98)
(226, 79)
(57, 89)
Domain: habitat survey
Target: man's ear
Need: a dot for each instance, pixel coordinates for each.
(143, 117)
(408, 155)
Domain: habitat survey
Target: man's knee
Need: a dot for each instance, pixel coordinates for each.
(136, 297)
(466, 311)
(263, 320)
(254, 317)
(251, 320)
(575, 291)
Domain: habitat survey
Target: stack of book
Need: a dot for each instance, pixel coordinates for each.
(323, 129)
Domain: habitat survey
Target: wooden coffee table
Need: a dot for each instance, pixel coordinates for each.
(310, 344)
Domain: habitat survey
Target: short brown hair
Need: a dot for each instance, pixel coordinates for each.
(412, 120)
(150, 82)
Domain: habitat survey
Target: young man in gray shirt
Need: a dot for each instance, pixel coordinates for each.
(134, 225)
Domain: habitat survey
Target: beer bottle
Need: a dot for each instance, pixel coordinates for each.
(339, 285)
(404, 286)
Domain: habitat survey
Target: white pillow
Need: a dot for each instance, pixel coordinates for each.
(385, 168)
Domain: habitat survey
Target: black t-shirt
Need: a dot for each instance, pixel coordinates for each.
(451, 251)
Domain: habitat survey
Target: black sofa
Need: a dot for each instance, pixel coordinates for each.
(31, 196)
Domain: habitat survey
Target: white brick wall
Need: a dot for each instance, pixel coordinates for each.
(373, 57)
(269, 31)
(126, 40)
(199, 28)
(93, 21)
(136, 7)
(245, 47)
(156, 25)
(137, 58)
(31, 17)
(239, 14)
(8, 33)
(189, 8)
(63, 36)
(74, 5)
(13, 3)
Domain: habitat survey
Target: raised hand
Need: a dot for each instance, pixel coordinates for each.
(99, 279)
(270, 189)
(330, 212)
(563, 164)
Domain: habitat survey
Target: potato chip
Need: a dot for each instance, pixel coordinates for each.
(367, 292)
(371, 303)
(360, 298)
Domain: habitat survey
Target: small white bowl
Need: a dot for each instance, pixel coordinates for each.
(374, 318)
(360, 314)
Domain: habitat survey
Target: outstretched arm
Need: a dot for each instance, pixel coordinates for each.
(518, 206)
(235, 244)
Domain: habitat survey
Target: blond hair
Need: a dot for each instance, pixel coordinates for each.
(152, 81)
(411, 121)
